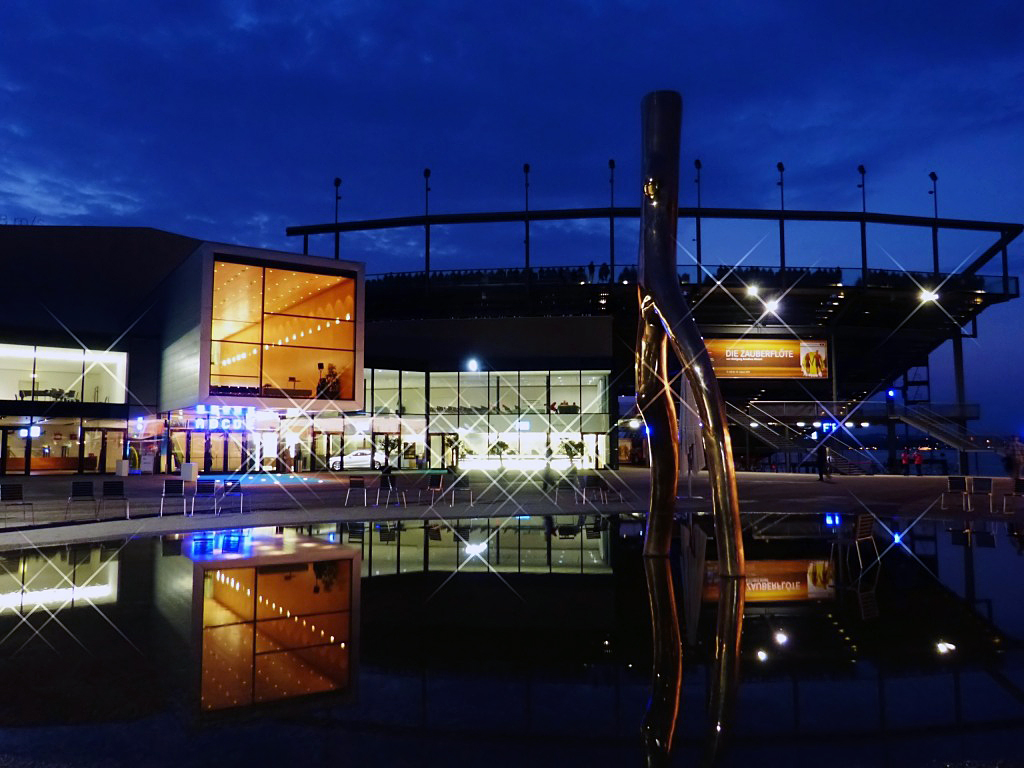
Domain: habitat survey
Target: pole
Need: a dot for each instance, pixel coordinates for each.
(337, 234)
(611, 222)
(863, 225)
(782, 223)
(526, 214)
(935, 228)
(698, 166)
(426, 223)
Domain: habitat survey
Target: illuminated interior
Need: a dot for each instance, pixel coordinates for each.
(274, 632)
(282, 333)
(62, 374)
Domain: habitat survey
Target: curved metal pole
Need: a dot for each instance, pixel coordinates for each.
(662, 303)
(665, 318)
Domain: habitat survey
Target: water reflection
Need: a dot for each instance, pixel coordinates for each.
(516, 668)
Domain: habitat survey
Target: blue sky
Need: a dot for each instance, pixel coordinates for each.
(229, 120)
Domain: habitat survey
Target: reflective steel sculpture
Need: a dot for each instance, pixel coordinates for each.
(665, 318)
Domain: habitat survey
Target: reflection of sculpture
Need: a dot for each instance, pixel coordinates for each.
(666, 318)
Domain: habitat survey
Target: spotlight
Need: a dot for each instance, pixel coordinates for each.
(472, 364)
(753, 290)
(772, 305)
(928, 295)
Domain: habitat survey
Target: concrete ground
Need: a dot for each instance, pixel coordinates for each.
(300, 500)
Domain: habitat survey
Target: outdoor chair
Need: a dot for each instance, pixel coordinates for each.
(389, 483)
(566, 485)
(568, 531)
(113, 490)
(1017, 492)
(356, 483)
(233, 488)
(173, 489)
(460, 485)
(388, 532)
(205, 490)
(435, 487)
(956, 485)
(861, 534)
(432, 531)
(979, 486)
(12, 495)
(82, 491)
(593, 531)
(355, 532)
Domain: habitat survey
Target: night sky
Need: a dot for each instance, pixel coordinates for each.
(229, 121)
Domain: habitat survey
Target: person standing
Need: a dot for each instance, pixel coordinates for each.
(905, 459)
(1015, 453)
(918, 461)
(822, 458)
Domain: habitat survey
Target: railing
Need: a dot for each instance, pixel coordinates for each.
(709, 274)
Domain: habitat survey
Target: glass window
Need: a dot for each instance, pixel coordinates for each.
(593, 390)
(105, 377)
(385, 391)
(414, 393)
(565, 391)
(444, 393)
(533, 392)
(473, 394)
(16, 369)
(282, 332)
(505, 392)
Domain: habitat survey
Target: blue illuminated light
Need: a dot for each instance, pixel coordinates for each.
(896, 538)
(892, 393)
(200, 423)
(200, 408)
(647, 431)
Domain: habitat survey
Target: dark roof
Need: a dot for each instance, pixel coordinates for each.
(91, 281)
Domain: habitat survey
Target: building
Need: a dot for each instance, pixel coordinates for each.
(162, 350)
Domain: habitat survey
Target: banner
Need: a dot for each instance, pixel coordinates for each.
(768, 358)
(778, 580)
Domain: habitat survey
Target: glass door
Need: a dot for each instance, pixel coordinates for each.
(101, 448)
(12, 451)
(442, 448)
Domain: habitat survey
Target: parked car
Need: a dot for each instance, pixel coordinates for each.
(361, 458)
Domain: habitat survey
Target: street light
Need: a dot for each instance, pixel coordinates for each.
(697, 166)
(782, 187)
(863, 189)
(934, 191)
(526, 214)
(337, 197)
(611, 221)
(782, 224)
(426, 221)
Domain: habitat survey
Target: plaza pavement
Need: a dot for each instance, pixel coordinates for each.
(301, 500)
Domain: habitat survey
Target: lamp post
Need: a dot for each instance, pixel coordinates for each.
(863, 224)
(697, 166)
(337, 197)
(611, 221)
(782, 207)
(934, 192)
(526, 215)
(426, 223)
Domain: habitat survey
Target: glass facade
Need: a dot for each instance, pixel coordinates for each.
(282, 333)
(414, 420)
(57, 374)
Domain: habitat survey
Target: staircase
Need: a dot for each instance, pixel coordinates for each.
(941, 428)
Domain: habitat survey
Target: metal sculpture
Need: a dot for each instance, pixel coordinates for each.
(665, 318)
